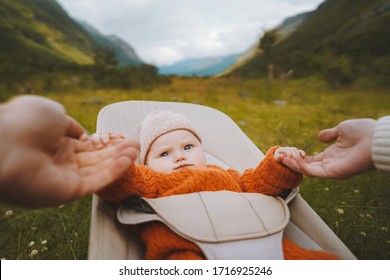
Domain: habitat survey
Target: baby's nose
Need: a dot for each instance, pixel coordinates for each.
(179, 157)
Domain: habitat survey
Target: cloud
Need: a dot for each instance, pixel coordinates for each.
(165, 31)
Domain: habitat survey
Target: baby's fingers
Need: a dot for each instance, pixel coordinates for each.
(84, 138)
(279, 157)
(294, 152)
(99, 140)
(115, 136)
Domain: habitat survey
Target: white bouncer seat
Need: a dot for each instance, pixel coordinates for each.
(226, 145)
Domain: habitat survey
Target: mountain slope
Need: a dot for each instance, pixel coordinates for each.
(199, 66)
(38, 36)
(41, 29)
(342, 40)
(286, 28)
(125, 54)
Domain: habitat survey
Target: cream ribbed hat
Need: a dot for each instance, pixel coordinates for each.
(158, 123)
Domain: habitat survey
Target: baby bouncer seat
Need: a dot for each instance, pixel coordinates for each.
(112, 239)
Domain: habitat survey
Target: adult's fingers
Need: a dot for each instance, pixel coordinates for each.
(81, 146)
(74, 129)
(96, 178)
(126, 148)
(290, 163)
(306, 167)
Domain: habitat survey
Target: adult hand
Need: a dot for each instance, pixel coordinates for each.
(348, 156)
(42, 162)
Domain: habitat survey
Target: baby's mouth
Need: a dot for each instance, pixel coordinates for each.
(182, 166)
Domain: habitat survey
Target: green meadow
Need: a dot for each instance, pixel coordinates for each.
(289, 114)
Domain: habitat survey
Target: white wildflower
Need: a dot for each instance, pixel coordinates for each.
(8, 213)
(363, 233)
(326, 189)
(33, 253)
(32, 243)
(356, 191)
(385, 229)
(340, 211)
(44, 242)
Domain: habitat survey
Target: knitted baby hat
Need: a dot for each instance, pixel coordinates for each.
(158, 123)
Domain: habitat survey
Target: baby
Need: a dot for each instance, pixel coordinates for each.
(173, 162)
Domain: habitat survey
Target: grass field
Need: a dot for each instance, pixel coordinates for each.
(357, 209)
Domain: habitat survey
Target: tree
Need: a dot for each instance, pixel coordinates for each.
(267, 42)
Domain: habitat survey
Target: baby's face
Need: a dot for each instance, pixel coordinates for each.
(174, 151)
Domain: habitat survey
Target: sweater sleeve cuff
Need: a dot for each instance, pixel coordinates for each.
(277, 174)
(380, 149)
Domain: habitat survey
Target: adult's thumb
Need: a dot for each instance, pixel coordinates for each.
(328, 135)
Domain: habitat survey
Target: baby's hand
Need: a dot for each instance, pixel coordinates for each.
(102, 140)
(287, 152)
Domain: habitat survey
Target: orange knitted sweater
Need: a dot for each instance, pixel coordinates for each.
(269, 177)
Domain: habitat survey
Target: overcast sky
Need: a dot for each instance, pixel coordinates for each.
(165, 31)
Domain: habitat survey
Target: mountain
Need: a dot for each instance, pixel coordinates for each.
(208, 66)
(342, 40)
(125, 54)
(38, 36)
(222, 65)
(288, 26)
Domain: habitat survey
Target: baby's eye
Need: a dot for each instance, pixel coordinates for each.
(164, 154)
(187, 147)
